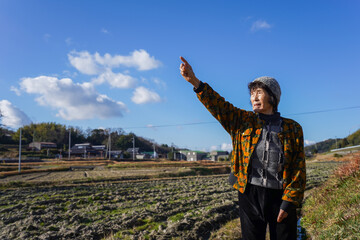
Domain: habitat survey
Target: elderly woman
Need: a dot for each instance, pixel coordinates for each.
(267, 162)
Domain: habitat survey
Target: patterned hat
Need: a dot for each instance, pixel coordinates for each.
(272, 84)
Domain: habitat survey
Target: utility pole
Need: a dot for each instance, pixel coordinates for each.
(336, 142)
(154, 151)
(69, 143)
(20, 152)
(33, 140)
(109, 143)
(107, 150)
(133, 148)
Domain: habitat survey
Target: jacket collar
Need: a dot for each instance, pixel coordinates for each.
(265, 119)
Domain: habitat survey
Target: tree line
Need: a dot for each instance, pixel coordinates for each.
(59, 134)
(327, 145)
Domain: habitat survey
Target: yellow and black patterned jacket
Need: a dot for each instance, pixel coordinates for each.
(245, 129)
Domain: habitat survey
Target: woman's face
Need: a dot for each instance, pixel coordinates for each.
(260, 101)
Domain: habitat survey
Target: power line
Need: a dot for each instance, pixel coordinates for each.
(322, 111)
(170, 125)
(201, 123)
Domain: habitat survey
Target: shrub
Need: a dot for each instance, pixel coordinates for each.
(332, 211)
(348, 169)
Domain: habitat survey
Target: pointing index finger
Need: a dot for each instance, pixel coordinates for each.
(183, 59)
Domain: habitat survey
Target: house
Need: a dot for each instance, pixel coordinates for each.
(101, 149)
(117, 154)
(161, 155)
(42, 145)
(150, 154)
(181, 154)
(84, 150)
(143, 156)
(193, 155)
(131, 150)
(219, 155)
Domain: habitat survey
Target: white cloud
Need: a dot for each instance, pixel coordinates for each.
(72, 100)
(69, 74)
(84, 62)
(214, 148)
(103, 30)
(15, 90)
(117, 80)
(12, 116)
(139, 59)
(160, 83)
(260, 25)
(68, 41)
(308, 142)
(143, 95)
(226, 147)
(222, 147)
(90, 64)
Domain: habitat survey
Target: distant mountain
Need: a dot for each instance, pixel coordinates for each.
(320, 147)
(59, 134)
(327, 145)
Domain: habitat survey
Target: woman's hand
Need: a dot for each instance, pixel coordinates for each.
(282, 215)
(187, 72)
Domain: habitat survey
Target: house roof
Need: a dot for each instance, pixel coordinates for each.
(47, 143)
(199, 152)
(149, 153)
(83, 144)
(130, 150)
(100, 147)
(219, 153)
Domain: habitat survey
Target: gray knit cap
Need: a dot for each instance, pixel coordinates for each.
(272, 84)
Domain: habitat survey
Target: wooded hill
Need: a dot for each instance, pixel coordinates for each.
(327, 145)
(59, 134)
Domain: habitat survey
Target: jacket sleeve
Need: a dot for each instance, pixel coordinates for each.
(229, 116)
(294, 191)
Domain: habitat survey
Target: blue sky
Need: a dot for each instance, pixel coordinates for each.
(101, 64)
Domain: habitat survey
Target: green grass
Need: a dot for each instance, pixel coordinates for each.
(333, 210)
(149, 224)
(144, 224)
(177, 217)
(231, 230)
(125, 235)
(39, 207)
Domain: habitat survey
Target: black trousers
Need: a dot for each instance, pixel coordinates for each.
(260, 206)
